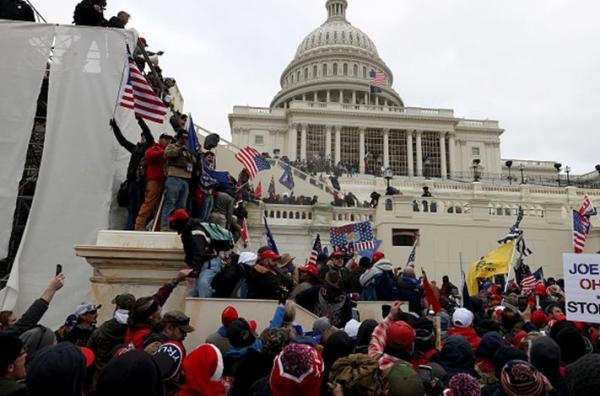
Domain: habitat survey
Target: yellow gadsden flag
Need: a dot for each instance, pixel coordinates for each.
(496, 262)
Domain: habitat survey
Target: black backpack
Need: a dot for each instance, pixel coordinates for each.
(386, 286)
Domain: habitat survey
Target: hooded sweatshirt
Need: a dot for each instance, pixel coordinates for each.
(368, 277)
(544, 355)
(456, 357)
(57, 370)
(133, 373)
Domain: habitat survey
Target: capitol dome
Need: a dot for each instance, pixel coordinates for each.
(334, 63)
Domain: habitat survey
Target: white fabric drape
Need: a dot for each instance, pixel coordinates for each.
(79, 166)
(25, 49)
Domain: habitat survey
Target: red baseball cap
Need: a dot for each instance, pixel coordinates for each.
(269, 254)
(89, 355)
(178, 214)
(337, 253)
(539, 318)
(229, 315)
(540, 289)
(310, 269)
(377, 256)
(401, 335)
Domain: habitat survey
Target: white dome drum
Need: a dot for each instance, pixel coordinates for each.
(334, 63)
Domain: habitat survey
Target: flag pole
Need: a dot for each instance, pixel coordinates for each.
(463, 277)
(512, 261)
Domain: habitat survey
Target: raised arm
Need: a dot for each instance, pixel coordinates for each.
(126, 144)
(146, 131)
(38, 308)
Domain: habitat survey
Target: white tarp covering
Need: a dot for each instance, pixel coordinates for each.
(80, 167)
(25, 49)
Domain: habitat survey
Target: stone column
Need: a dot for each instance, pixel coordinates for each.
(386, 148)
(341, 96)
(292, 141)
(367, 98)
(451, 154)
(444, 167)
(409, 153)
(376, 100)
(338, 144)
(328, 153)
(304, 97)
(419, 154)
(361, 145)
(354, 97)
(303, 142)
(328, 96)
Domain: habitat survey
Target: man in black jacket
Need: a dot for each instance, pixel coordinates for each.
(266, 281)
(90, 13)
(110, 334)
(136, 184)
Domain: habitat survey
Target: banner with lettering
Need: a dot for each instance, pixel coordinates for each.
(582, 287)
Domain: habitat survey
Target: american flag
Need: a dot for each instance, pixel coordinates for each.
(412, 257)
(138, 95)
(581, 229)
(316, 250)
(252, 160)
(528, 283)
(377, 78)
(587, 208)
(358, 236)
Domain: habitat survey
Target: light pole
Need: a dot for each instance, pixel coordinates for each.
(568, 171)
(388, 174)
(558, 167)
(522, 168)
(509, 165)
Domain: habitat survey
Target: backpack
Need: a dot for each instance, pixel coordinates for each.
(219, 239)
(387, 287)
(359, 375)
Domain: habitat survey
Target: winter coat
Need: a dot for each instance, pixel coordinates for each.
(254, 366)
(133, 373)
(86, 15)
(225, 282)
(103, 343)
(9, 387)
(456, 357)
(155, 162)
(411, 291)
(469, 333)
(30, 318)
(338, 311)
(137, 150)
(115, 22)
(223, 204)
(195, 244)
(180, 161)
(220, 340)
(266, 284)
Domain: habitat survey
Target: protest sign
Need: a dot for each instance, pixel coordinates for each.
(582, 287)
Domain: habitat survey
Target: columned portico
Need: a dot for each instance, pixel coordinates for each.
(409, 153)
(303, 142)
(419, 153)
(361, 145)
(386, 148)
(444, 166)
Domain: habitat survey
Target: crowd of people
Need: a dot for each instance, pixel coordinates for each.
(504, 341)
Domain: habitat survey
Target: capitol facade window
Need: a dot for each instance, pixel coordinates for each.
(431, 154)
(350, 150)
(315, 142)
(259, 140)
(398, 153)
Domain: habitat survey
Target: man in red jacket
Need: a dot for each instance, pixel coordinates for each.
(462, 320)
(155, 180)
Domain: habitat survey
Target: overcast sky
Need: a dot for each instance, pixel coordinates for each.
(534, 65)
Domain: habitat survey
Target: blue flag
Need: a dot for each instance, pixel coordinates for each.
(287, 178)
(270, 241)
(193, 143)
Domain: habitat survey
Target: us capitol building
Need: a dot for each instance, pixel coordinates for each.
(326, 109)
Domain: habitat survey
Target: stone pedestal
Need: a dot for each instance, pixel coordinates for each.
(133, 262)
